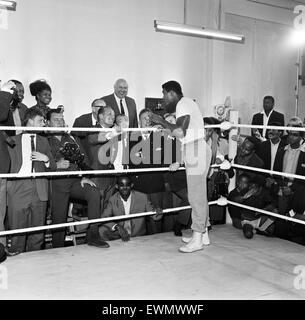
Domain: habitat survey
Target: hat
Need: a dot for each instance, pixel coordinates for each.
(38, 86)
(2, 253)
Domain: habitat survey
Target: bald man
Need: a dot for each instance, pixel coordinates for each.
(121, 104)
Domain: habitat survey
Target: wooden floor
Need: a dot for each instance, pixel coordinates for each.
(152, 268)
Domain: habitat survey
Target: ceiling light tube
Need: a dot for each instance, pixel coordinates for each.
(187, 30)
(8, 5)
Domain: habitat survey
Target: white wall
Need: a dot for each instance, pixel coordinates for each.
(82, 46)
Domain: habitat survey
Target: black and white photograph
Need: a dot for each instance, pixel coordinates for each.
(152, 152)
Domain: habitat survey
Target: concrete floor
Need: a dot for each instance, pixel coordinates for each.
(152, 268)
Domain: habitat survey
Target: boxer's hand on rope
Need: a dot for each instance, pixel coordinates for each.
(123, 233)
(159, 214)
(87, 181)
(174, 166)
(37, 156)
(8, 87)
(63, 164)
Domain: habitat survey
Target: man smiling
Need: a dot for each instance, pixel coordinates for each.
(125, 202)
(121, 103)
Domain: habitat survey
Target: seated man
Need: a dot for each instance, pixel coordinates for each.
(252, 221)
(238, 195)
(252, 194)
(73, 187)
(124, 202)
(27, 198)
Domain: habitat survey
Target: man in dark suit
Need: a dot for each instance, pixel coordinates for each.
(121, 104)
(124, 202)
(66, 188)
(147, 151)
(290, 159)
(266, 117)
(27, 198)
(88, 120)
(101, 150)
(18, 109)
(268, 149)
(6, 95)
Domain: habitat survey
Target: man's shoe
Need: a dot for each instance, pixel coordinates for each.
(195, 244)
(11, 253)
(94, 239)
(205, 239)
(248, 231)
(100, 243)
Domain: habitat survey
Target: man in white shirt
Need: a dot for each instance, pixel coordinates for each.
(189, 129)
(27, 198)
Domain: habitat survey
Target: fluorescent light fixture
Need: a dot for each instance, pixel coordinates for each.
(187, 30)
(8, 5)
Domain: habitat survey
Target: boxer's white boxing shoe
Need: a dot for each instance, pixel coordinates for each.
(195, 244)
(205, 238)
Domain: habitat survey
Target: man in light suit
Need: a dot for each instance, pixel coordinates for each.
(88, 120)
(27, 198)
(121, 104)
(125, 202)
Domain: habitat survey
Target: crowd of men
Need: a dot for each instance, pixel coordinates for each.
(280, 151)
(26, 201)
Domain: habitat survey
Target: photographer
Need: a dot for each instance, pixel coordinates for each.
(69, 156)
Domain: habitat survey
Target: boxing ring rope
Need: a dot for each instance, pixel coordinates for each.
(100, 220)
(276, 215)
(81, 173)
(226, 125)
(222, 201)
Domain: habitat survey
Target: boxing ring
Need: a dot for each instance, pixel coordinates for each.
(150, 267)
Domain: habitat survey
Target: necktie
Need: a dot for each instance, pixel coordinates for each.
(32, 149)
(122, 108)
